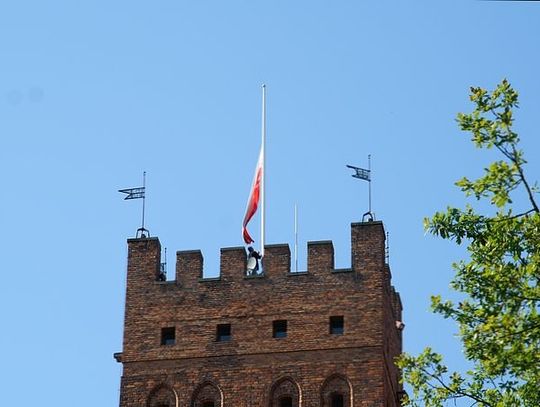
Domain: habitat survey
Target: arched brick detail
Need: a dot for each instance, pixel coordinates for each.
(285, 387)
(333, 385)
(207, 392)
(162, 396)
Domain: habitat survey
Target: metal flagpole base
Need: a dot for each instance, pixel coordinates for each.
(368, 217)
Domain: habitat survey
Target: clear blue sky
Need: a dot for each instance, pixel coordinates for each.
(93, 93)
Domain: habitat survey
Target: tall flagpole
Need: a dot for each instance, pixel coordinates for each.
(263, 202)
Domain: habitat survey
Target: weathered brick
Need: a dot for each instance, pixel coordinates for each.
(310, 365)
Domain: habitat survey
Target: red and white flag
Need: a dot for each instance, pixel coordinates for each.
(254, 197)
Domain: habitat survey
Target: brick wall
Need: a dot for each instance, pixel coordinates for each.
(253, 368)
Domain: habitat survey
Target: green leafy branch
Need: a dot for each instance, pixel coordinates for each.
(499, 319)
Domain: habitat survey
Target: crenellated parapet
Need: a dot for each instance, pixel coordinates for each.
(367, 257)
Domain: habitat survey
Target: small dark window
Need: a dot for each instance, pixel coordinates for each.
(336, 325)
(279, 329)
(223, 333)
(337, 400)
(208, 404)
(285, 402)
(168, 336)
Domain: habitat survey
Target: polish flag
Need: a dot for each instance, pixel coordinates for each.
(254, 197)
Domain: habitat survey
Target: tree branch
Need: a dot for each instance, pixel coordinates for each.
(506, 218)
(460, 392)
(512, 157)
(527, 187)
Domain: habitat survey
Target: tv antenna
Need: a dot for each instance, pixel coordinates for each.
(387, 248)
(163, 269)
(363, 174)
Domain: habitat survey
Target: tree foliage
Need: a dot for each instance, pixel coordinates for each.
(499, 321)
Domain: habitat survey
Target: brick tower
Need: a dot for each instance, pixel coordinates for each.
(323, 337)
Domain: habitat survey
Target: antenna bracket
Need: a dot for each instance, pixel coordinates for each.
(142, 233)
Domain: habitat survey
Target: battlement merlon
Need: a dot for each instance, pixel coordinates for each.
(189, 268)
(232, 263)
(144, 261)
(367, 257)
(277, 260)
(320, 256)
(368, 247)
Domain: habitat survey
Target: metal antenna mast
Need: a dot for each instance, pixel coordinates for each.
(142, 229)
(163, 269)
(369, 182)
(362, 173)
(387, 257)
(295, 238)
